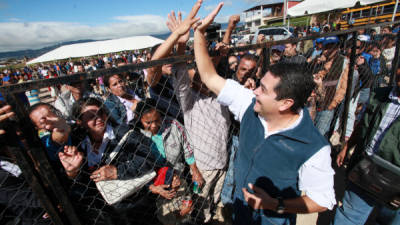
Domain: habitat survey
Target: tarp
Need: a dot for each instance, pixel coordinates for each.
(97, 48)
(317, 6)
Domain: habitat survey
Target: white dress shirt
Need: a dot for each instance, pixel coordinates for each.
(315, 175)
(93, 157)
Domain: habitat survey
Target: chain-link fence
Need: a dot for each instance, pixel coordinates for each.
(147, 143)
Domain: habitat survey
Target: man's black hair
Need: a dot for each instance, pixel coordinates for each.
(41, 104)
(295, 83)
(247, 56)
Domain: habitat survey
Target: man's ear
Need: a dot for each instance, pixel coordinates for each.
(286, 104)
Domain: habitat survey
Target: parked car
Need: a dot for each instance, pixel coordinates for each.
(273, 33)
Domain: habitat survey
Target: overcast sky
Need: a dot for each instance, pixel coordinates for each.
(33, 24)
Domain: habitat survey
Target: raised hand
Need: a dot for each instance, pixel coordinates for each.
(260, 38)
(190, 20)
(250, 84)
(71, 159)
(234, 20)
(222, 48)
(54, 123)
(5, 113)
(202, 26)
(173, 24)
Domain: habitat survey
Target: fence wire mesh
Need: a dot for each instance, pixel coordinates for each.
(153, 146)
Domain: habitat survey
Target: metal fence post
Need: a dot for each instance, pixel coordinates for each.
(348, 90)
(32, 178)
(266, 55)
(395, 64)
(32, 144)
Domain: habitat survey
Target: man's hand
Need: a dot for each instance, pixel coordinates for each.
(190, 20)
(162, 190)
(54, 123)
(5, 114)
(107, 172)
(318, 80)
(202, 26)
(233, 20)
(222, 48)
(260, 38)
(196, 176)
(260, 199)
(173, 24)
(321, 59)
(71, 159)
(250, 84)
(341, 156)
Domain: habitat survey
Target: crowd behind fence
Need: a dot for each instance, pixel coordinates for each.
(121, 121)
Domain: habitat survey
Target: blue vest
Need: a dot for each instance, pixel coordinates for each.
(272, 164)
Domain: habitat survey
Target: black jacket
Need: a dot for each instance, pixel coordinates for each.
(18, 204)
(133, 160)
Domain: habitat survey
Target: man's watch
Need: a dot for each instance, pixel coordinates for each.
(280, 208)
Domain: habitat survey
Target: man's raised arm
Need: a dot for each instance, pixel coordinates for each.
(206, 68)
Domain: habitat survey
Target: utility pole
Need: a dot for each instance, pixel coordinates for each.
(284, 11)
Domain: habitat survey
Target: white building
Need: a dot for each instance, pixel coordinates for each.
(262, 11)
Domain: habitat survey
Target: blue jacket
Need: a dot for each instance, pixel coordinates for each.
(116, 108)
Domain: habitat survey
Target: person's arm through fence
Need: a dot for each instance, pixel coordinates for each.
(206, 68)
(180, 33)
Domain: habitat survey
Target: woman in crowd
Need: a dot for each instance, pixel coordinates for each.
(133, 160)
(170, 142)
(121, 102)
(170, 139)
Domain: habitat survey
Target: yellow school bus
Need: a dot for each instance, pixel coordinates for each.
(376, 13)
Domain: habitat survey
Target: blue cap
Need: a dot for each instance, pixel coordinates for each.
(330, 40)
(320, 40)
(280, 48)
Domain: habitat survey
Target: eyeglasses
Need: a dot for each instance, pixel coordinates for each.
(91, 115)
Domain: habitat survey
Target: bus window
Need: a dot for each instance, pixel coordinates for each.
(356, 15)
(344, 16)
(373, 12)
(388, 9)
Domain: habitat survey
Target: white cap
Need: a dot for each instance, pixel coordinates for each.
(363, 37)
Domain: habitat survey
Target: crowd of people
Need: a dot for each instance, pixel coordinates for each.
(242, 138)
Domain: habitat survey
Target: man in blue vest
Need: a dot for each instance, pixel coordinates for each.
(281, 153)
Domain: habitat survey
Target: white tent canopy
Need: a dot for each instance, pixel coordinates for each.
(97, 48)
(308, 7)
